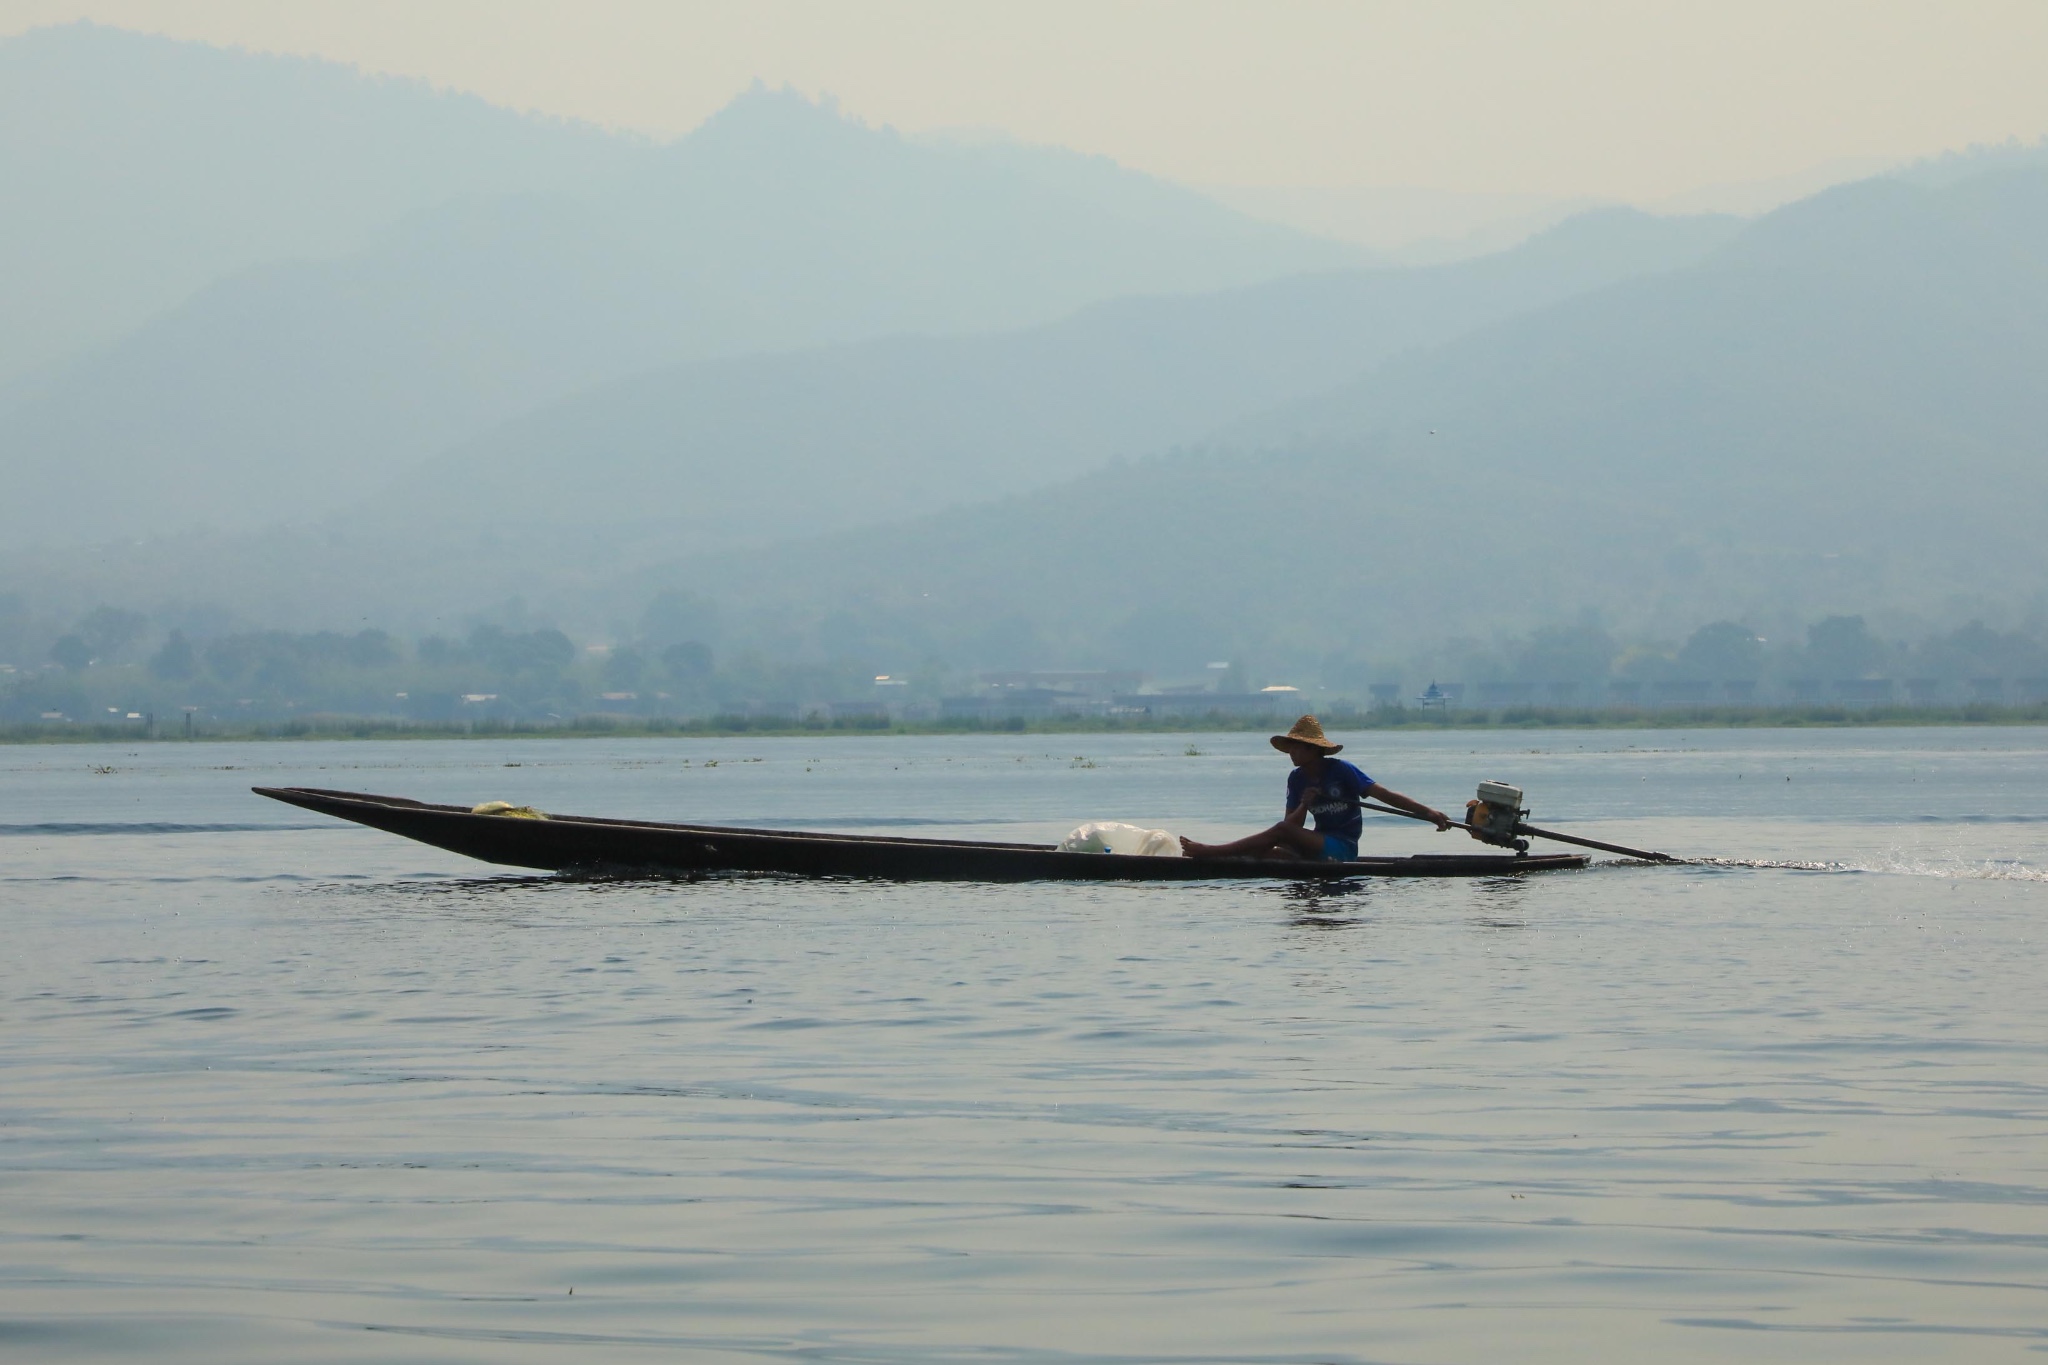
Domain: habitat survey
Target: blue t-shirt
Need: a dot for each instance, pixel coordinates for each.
(1340, 788)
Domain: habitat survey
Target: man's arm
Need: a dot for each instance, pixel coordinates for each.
(1299, 815)
(1390, 797)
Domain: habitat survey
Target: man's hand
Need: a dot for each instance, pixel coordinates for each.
(1443, 822)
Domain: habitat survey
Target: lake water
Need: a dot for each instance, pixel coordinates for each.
(273, 1087)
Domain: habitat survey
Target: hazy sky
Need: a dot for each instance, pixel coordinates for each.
(1636, 99)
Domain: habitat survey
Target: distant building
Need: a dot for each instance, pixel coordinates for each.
(1007, 702)
(1097, 682)
(1268, 702)
(1440, 696)
(1046, 692)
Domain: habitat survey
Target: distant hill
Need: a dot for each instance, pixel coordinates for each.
(766, 448)
(773, 446)
(1835, 408)
(1841, 409)
(140, 169)
(1969, 163)
(284, 390)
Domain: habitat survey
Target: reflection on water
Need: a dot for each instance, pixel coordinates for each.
(315, 1093)
(1326, 905)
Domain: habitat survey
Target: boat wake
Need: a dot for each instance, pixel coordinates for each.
(1987, 869)
(1896, 865)
(1775, 865)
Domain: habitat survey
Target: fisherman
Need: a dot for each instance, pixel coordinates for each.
(1321, 785)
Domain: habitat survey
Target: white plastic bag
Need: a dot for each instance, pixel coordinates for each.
(1107, 836)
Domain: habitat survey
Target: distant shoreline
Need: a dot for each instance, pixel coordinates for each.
(730, 727)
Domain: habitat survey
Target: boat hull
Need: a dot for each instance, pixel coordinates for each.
(569, 843)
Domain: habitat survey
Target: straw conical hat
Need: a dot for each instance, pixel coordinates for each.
(1307, 730)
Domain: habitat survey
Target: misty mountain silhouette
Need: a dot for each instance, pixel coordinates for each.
(1838, 407)
(892, 378)
(1843, 405)
(884, 429)
(140, 169)
(291, 388)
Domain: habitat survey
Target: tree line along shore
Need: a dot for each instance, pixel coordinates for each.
(152, 728)
(114, 666)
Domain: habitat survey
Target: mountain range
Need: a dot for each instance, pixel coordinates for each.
(336, 352)
(872, 396)
(141, 169)
(1840, 408)
(770, 447)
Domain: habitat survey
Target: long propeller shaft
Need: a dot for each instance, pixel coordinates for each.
(1647, 855)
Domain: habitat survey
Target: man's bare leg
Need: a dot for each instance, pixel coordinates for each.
(1284, 840)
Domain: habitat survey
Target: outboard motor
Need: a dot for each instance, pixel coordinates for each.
(1496, 816)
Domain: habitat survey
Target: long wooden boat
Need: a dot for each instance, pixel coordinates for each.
(570, 843)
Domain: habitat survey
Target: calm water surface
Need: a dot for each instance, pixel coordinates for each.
(277, 1088)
